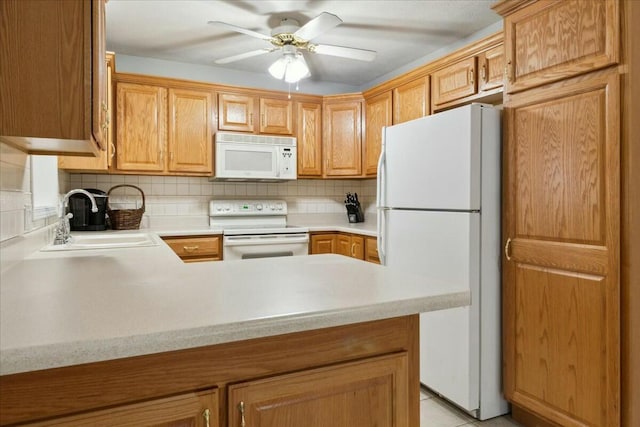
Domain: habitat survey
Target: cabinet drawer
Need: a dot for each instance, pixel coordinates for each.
(196, 248)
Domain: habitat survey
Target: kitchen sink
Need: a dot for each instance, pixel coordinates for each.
(105, 241)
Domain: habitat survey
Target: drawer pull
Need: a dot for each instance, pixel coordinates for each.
(241, 409)
(206, 415)
(191, 248)
(507, 246)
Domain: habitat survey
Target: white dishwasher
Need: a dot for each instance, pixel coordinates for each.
(256, 229)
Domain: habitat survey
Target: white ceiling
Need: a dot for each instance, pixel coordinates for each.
(400, 31)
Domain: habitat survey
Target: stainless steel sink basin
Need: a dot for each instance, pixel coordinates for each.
(106, 241)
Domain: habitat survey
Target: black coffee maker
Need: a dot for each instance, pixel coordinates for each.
(83, 219)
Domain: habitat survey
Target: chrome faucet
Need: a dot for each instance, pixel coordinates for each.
(63, 229)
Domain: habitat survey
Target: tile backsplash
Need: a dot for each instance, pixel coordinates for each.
(189, 196)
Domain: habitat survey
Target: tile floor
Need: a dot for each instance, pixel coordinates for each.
(436, 412)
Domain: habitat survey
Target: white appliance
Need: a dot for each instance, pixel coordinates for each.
(247, 157)
(256, 229)
(439, 216)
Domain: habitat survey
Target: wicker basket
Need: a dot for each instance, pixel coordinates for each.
(125, 219)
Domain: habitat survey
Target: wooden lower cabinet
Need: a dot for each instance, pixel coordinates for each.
(350, 245)
(196, 248)
(197, 409)
(371, 392)
(323, 244)
(362, 374)
(347, 244)
(371, 250)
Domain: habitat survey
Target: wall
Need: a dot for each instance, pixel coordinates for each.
(168, 197)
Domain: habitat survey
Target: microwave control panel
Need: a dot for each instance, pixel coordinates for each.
(288, 162)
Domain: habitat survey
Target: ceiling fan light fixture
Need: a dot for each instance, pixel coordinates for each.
(291, 66)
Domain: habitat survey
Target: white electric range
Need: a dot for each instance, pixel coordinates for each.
(257, 229)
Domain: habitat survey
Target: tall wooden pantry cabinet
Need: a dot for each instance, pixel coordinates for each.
(570, 349)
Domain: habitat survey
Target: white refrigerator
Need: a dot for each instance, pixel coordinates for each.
(438, 200)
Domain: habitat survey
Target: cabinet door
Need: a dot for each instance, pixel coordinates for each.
(52, 76)
(343, 244)
(102, 162)
(491, 64)
(357, 247)
(190, 409)
(141, 127)
(561, 321)
(371, 250)
(378, 114)
(552, 40)
(342, 138)
(276, 116)
(454, 82)
(323, 244)
(309, 134)
(99, 106)
(411, 100)
(235, 112)
(190, 142)
(370, 392)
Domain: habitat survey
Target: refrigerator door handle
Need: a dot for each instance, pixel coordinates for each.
(379, 195)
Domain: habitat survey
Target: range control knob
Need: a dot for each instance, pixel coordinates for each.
(259, 206)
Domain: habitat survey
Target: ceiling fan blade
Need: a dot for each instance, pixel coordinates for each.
(318, 25)
(345, 52)
(242, 30)
(244, 55)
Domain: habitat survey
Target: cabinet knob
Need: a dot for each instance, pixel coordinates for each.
(191, 248)
(483, 73)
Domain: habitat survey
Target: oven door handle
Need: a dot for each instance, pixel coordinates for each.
(250, 241)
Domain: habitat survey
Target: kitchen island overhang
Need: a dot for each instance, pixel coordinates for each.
(156, 318)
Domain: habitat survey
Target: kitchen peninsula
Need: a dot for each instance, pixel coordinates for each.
(135, 334)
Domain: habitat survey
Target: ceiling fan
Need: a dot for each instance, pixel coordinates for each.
(290, 37)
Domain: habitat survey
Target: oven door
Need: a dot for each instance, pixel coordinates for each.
(265, 246)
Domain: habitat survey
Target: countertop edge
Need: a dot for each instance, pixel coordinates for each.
(40, 358)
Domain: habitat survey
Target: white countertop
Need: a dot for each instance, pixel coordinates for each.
(71, 307)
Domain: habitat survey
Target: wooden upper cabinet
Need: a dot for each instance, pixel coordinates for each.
(53, 76)
(141, 127)
(198, 409)
(357, 394)
(249, 113)
(411, 100)
(309, 139)
(454, 82)
(190, 142)
(276, 116)
(552, 40)
(103, 161)
(491, 68)
(342, 138)
(561, 297)
(235, 112)
(378, 113)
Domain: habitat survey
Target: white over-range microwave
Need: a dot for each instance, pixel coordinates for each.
(246, 157)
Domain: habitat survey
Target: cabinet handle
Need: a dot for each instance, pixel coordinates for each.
(483, 73)
(472, 76)
(353, 250)
(113, 149)
(191, 248)
(206, 415)
(262, 117)
(250, 118)
(241, 409)
(507, 246)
